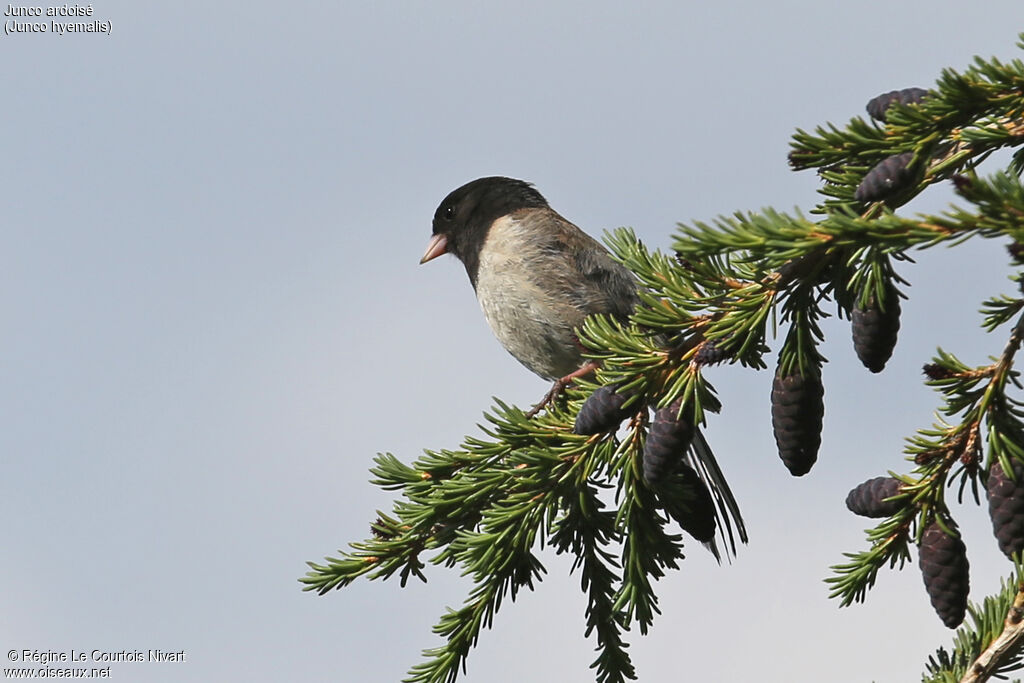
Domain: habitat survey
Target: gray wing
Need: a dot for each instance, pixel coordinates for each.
(612, 283)
(591, 280)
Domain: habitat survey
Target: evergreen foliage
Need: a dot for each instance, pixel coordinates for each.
(490, 506)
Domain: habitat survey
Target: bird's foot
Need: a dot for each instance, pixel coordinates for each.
(560, 384)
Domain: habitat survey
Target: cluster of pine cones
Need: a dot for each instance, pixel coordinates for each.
(668, 439)
(889, 176)
(798, 395)
(797, 409)
(942, 554)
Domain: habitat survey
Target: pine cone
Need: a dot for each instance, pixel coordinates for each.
(698, 518)
(868, 499)
(797, 411)
(709, 353)
(1006, 505)
(667, 441)
(878, 105)
(1016, 250)
(934, 371)
(888, 177)
(943, 561)
(875, 330)
(602, 412)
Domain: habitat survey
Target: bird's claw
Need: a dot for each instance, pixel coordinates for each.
(560, 385)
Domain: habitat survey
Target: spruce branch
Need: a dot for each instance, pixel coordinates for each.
(964, 118)
(991, 646)
(584, 531)
(600, 489)
(1004, 652)
(973, 397)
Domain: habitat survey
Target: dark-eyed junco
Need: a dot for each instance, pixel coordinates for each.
(537, 276)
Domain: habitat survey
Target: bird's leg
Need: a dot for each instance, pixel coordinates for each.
(560, 384)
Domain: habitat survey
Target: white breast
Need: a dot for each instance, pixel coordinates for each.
(525, 318)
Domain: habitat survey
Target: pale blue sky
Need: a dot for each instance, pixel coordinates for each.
(213, 317)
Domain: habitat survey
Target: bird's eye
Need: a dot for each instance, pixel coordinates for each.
(449, 212)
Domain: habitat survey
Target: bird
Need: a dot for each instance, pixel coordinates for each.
(537, 277)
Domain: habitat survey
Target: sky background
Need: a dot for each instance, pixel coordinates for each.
(212, 317)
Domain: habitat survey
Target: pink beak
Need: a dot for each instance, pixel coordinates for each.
(437, 245)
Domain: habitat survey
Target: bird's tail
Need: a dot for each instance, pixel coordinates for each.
(730, 521)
